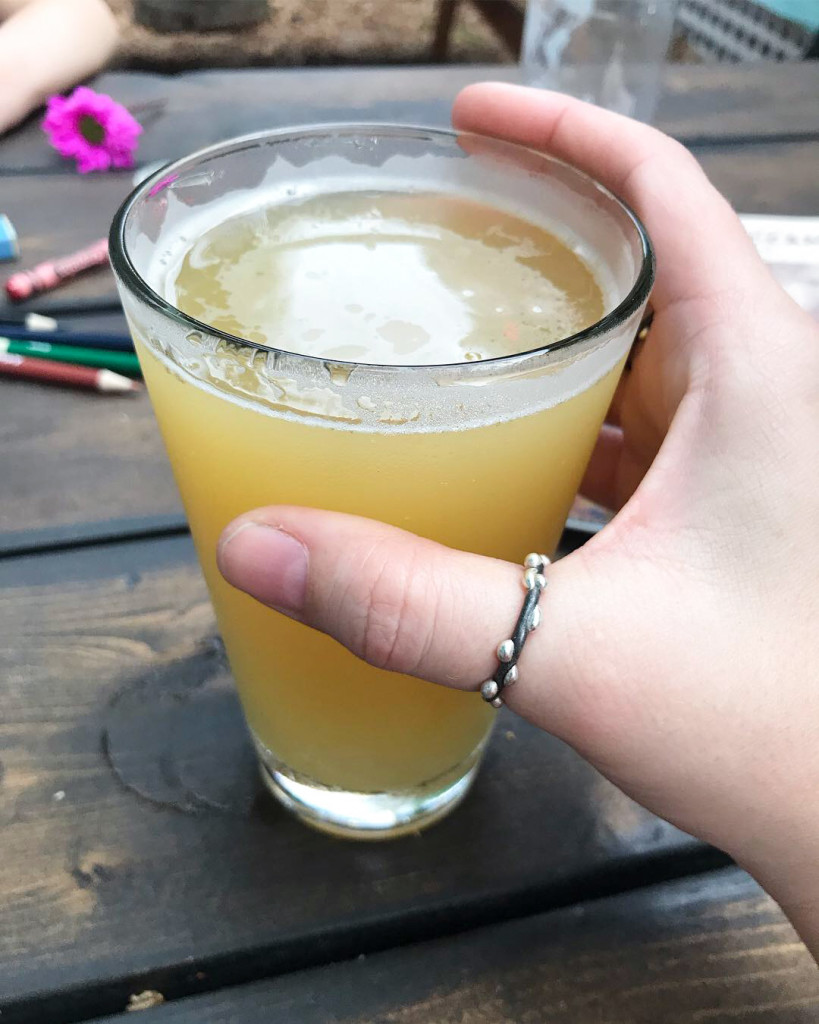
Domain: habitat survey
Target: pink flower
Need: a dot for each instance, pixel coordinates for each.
(93, 128)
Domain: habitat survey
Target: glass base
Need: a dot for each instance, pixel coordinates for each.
(369, 815)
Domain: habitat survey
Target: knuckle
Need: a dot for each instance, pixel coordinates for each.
(392, 629)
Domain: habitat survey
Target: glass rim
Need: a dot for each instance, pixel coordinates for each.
(125, 270)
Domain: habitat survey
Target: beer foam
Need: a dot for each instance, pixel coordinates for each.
(385, 400)
(326, 390)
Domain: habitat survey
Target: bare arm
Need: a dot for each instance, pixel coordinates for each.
(47, 46)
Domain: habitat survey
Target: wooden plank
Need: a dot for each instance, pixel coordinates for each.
(70, 458)
(237, 102)
(710, 950)
(55, 217)
(75, 461)
(764, 99)
(759, 100)
(138, 847)
(16, 543)
(780, 179)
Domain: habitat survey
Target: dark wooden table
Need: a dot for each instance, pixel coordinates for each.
(137, 851)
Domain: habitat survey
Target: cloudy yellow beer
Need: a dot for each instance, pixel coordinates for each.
(387, 278)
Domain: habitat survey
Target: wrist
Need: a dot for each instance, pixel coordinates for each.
(19, 94)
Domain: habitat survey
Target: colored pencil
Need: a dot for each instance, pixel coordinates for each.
(111, 341)
(52, 273)
(28, 322)
(122, 362)
(67, 306)
(65, 373)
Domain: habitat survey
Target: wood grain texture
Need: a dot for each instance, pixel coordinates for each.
(66, 456)
(136, 842)
(70, 457)
(55, 217)
(137, 848)
(755, 100)
(763, 99)
(711, 950)
(766, 178)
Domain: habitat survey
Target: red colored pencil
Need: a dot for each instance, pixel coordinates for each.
(66, 373)
(51, 273)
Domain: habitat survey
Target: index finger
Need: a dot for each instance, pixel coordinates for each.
(683, 212)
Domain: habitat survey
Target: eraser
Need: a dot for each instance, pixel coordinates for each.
(9, 246)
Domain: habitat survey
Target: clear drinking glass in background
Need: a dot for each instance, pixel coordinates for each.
(608, 52)
(481, 455)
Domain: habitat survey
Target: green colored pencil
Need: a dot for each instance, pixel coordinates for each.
(120, 362)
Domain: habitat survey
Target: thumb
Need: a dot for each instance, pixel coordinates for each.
(621, 668)
(407, 604)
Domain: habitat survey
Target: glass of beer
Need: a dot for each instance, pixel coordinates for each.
(402, 323)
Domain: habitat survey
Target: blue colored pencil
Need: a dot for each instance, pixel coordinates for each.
(83, 339)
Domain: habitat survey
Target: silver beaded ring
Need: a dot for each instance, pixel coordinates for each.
(509, 651)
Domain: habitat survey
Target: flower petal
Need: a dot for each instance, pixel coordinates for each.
(120, 130)
(95, 158)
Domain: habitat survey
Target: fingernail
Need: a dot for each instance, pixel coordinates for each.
(267, 563)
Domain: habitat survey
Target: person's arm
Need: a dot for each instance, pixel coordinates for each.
(679, 647)
(47, 46)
